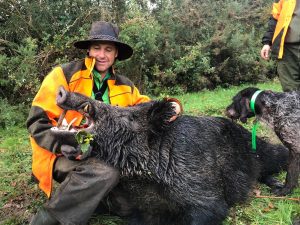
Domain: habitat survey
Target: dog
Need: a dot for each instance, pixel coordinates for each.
(281, 112)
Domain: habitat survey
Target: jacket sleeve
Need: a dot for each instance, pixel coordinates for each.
(276, 10)
(268, 36)
(44, 112)
(138, 98)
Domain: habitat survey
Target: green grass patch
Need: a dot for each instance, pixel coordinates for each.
(214, 102)
(20, 197)
(15, 160)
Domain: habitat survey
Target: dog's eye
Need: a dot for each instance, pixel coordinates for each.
(86, 109)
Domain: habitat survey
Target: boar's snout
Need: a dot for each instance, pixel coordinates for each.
(61, 95)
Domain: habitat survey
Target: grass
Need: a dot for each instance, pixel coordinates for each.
(214, 102)
(20, 198)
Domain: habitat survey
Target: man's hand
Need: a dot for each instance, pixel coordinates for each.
(265, 52)
(177, 109)
(73, 153)
(70, 152)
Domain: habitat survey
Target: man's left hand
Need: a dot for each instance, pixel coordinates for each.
(177, 109)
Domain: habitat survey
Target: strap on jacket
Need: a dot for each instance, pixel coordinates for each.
(100, 92)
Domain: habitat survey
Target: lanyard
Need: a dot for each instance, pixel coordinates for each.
(254, 128)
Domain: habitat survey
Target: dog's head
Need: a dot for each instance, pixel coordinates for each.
(240, 106)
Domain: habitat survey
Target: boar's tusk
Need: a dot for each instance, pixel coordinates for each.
(86, 109)
(61, 117)
(70, 124)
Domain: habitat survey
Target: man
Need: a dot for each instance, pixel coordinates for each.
(84, 183)
(283, 36)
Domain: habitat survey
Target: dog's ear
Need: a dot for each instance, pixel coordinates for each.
(159, 115)
(245, 110)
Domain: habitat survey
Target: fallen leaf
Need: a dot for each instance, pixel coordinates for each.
(257, 192)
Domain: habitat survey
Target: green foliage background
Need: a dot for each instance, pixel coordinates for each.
(180, 45)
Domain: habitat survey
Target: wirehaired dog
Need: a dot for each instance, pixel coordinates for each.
(187, 172)
(281, 112)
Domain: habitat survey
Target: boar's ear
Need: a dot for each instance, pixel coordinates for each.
(159, 115)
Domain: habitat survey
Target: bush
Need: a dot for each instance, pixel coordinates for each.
(12, 115)
(20, 73)
(194, 70)
(142, 34)
(182, 45)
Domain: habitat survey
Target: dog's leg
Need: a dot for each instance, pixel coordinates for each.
(271, 182)
(292, 174)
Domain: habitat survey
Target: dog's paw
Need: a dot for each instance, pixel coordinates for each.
(272, 182)
(282, 191)
(276, 185)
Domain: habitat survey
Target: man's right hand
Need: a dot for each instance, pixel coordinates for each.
(265, 52)
(70, 152)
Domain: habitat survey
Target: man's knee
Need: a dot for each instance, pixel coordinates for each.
(103, 171)
(91, 171)
(62, 167)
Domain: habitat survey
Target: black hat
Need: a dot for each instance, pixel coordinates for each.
(104, 31)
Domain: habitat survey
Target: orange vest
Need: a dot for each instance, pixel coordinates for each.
(76, 77)
(282, 12)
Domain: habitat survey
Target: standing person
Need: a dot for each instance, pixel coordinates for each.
(83, 183)
(283, 37)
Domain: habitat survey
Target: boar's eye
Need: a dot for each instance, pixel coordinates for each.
(131, 118)
(134, 122)
(128, 118)
(134, 117)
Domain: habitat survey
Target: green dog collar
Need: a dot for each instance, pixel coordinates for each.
(253, 98)
(254, 128)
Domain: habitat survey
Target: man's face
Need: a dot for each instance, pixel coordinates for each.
(105, 53)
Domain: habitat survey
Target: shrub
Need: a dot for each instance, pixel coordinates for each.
(20, 72)
(12, 115)
(194, 70)
(141, 33)
(182, 45)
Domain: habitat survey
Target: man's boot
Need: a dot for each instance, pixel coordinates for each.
(43, 217)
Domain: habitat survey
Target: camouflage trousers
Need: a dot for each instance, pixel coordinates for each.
(288, 68)
(83, 185)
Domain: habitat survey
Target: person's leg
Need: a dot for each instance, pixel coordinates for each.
(84, 184)
(289, 68)
(43, 217)
(61, 169)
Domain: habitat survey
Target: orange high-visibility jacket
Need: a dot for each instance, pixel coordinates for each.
(282, 13)
(75, 76)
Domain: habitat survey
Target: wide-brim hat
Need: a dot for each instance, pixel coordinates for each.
(104, 31)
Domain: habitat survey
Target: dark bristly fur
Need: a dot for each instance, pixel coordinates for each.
(280, 111)
(187, 172)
